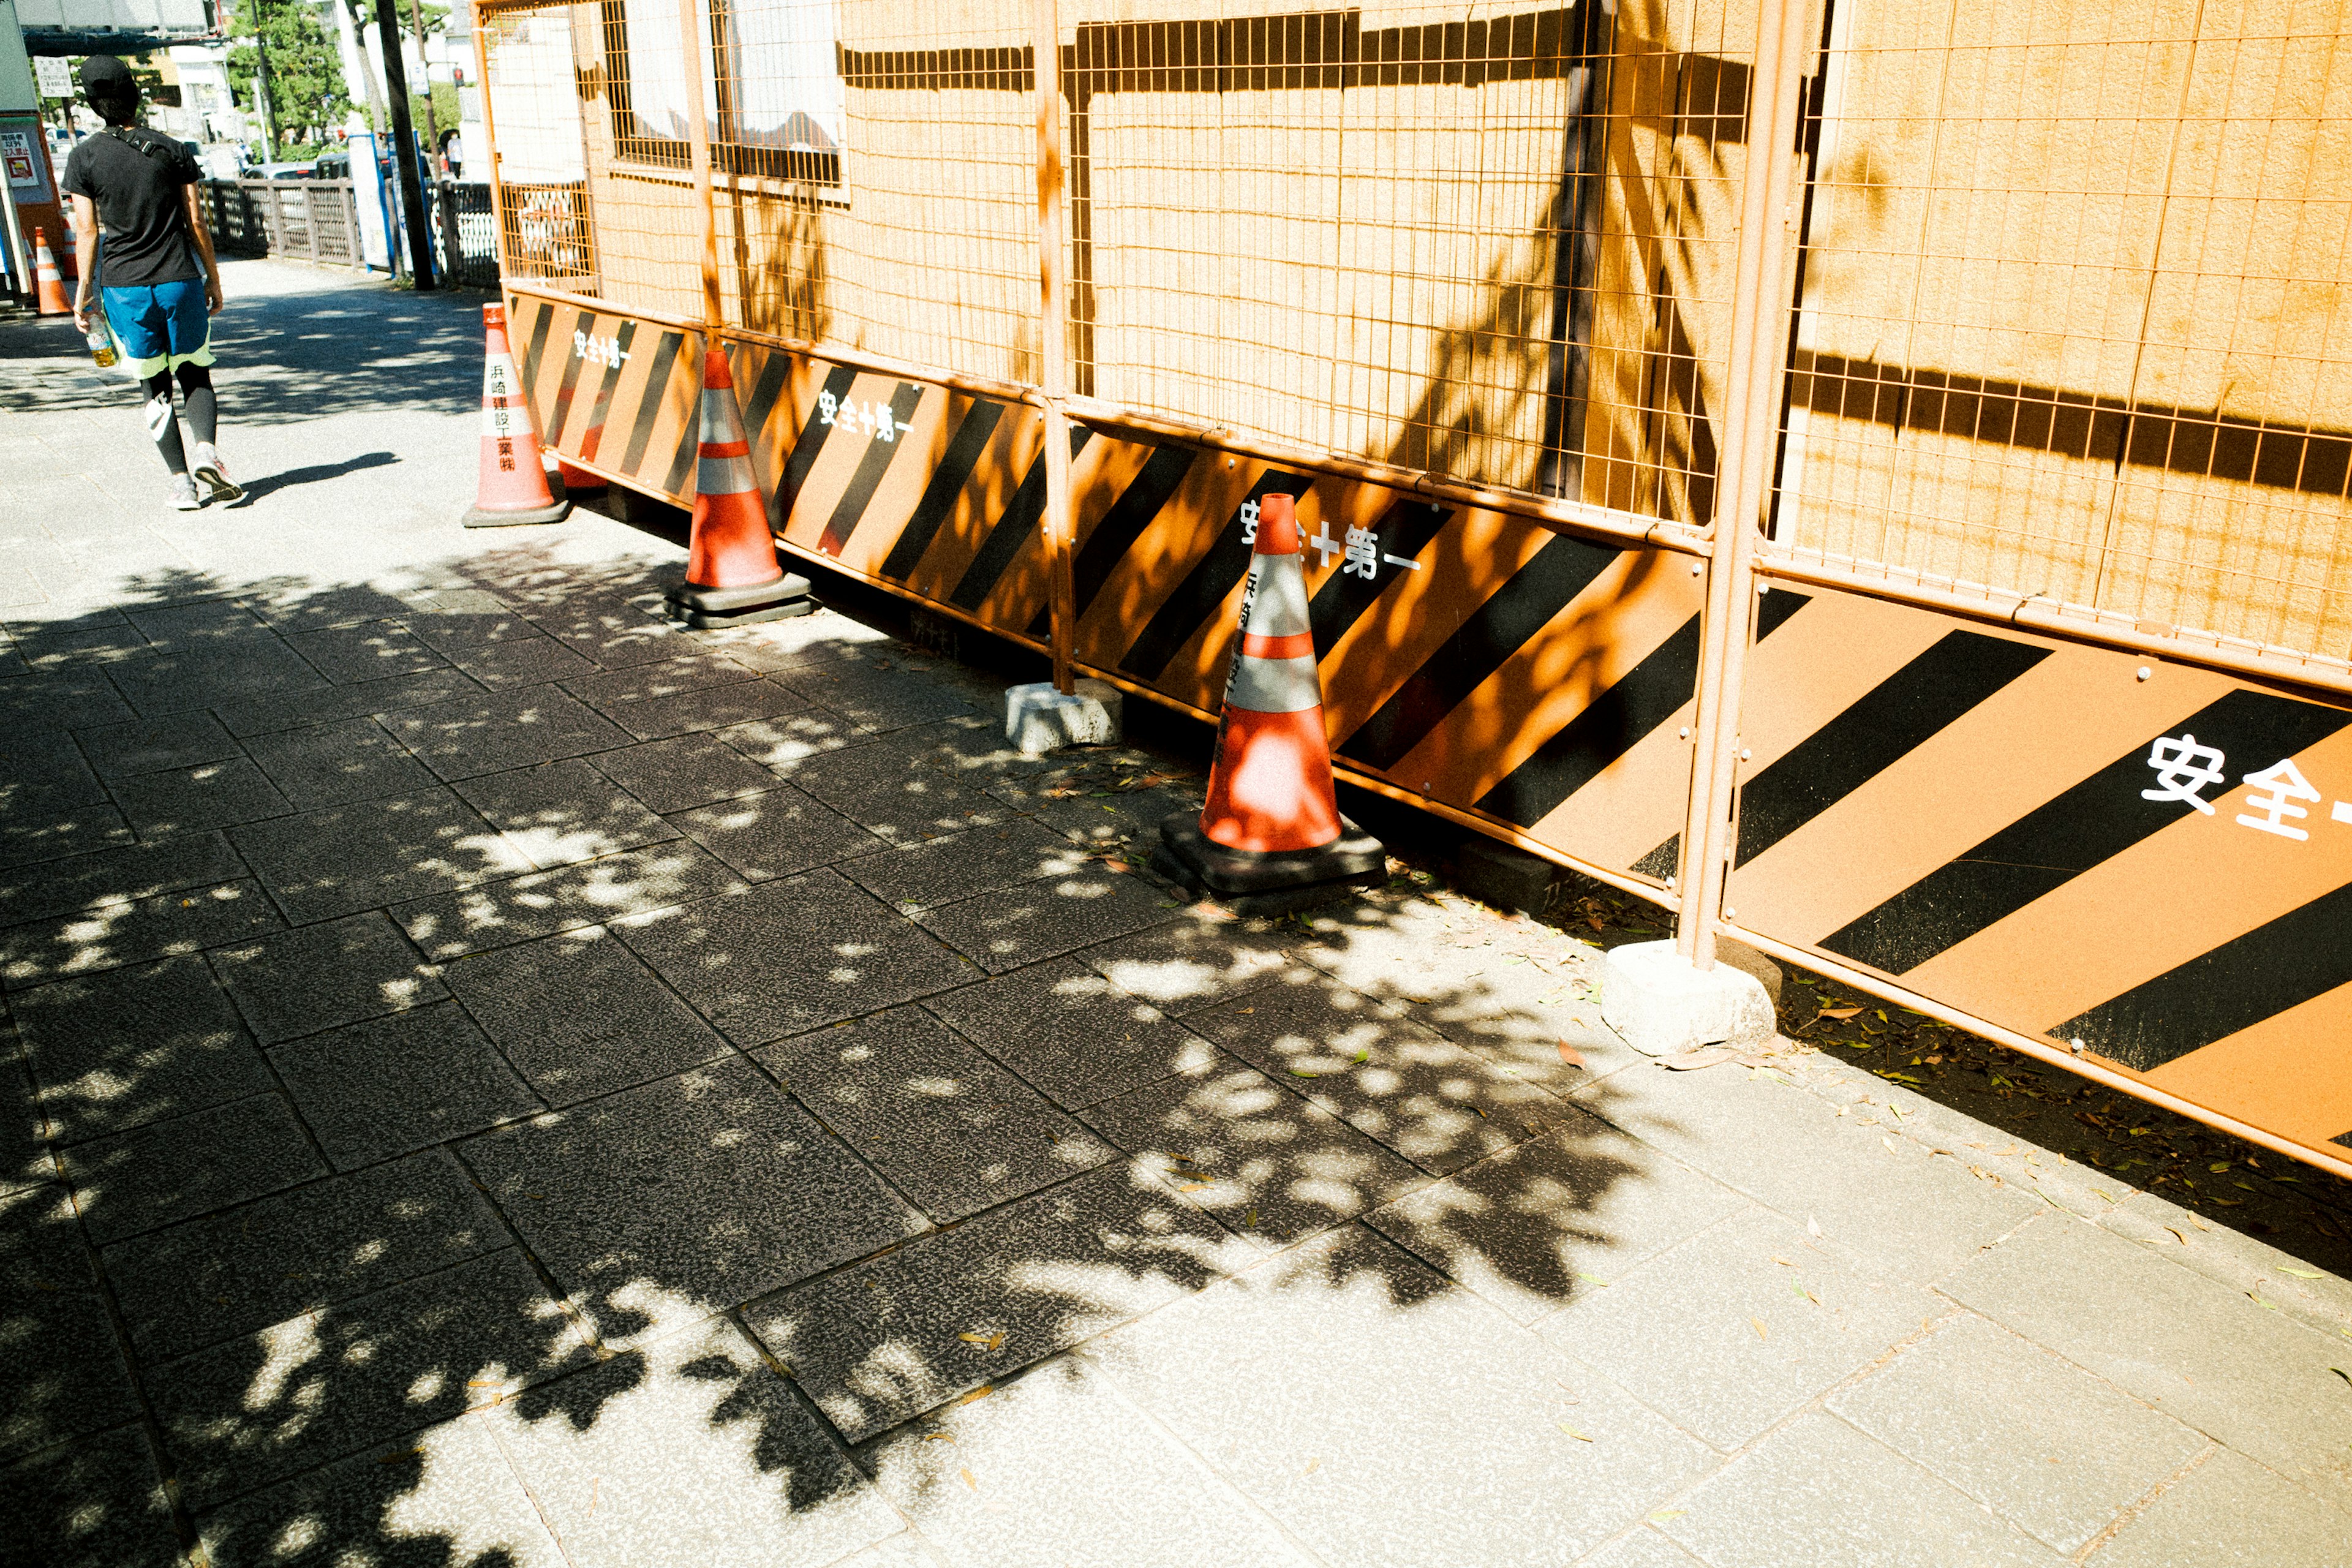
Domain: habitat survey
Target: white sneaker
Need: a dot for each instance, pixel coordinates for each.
(211, 471)
(183, 494)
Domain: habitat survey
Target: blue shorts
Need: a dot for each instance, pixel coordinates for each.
(160, 327)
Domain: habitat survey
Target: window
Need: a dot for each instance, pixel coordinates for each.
(775, 104)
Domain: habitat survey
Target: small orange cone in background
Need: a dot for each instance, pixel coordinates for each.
(1271, 838)
(732, 576)
(513, 488)
(52, 287)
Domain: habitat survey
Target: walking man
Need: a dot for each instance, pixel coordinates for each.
(161, 283)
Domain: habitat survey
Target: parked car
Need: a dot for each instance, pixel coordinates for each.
(285, 172)
(332, 166)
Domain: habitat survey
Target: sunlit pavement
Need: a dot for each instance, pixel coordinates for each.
(496, 1080)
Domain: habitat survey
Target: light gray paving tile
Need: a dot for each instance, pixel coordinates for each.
(1193, 960)
(321, 864)
(924, 875)
(776, 833)
(329, 764)
(821, 634)
(157, 745)
(580, 1015)
(692, 670)
(98, 1503)
(564, 812)
(1725, 1337)
(116, 876)
(171, 1170)
(219, 1276)
(686, 771)
(2198, 1351)
(115, 1050)
(61, 1371)
(391, 1084)
(495, 914)
(35, 833)
(883, 1341)
(1056, 1468)
(1046, 918)
(1341, 1384)
(494, 734)
(263, 714)
(316, 977)
(1436, 1103)
(349, 1378)
(1819, 1493)
(941, 1122)
(1273, 1167)
(1072, 1033)
(722, 956)
(189, 800)
(1644, 1548)
(697, 1454)
(739, 703)
(1536, 1227)
(667, 1204)
(117, 934)
(2229, 1512)
(2043, 1444)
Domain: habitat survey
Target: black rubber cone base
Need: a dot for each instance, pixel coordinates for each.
(478, 518)
(1254, 882)
(712, 609)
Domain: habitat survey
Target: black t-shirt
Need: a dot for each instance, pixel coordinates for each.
(139, 205)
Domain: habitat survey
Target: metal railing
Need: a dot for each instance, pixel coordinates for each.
(311, 220)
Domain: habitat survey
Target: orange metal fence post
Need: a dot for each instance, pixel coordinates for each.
(1754, 380)
(689, 23)
(1054, 335)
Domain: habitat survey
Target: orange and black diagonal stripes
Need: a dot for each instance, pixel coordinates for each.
(609, 390)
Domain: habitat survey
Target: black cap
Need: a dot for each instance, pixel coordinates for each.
(103, 76)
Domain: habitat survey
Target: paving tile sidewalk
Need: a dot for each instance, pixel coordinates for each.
(490, 1078)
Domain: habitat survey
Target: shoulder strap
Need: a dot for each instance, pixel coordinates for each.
(147, 141)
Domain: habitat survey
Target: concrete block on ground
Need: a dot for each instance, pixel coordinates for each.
(1504, 875)
(1660, 1004)
(1038, 719)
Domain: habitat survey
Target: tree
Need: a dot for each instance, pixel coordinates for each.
(304, 74)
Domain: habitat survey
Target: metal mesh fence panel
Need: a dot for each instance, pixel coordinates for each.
(540, 65)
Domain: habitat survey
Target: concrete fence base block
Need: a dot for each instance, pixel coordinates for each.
(1660, 1004)
(1505, 876)
(1038, 719)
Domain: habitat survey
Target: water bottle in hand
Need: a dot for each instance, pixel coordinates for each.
(101, 344)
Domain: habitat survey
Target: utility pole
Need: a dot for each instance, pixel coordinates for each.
(432, 121)
(403, 147)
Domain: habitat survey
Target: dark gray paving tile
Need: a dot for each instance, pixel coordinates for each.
(712, 708)
(443, 1496)
(306, 608)
(494, 734)
(1101, 819)
(580, 1015)
(1438, 1104)
(878, 1344)
(1338, 1383)
(115, 934)
(1045, 918)
(666, 1204)
(321, 864)
(692, 670)
(189, 800)
(824, 634)
(564, 812)
(942, 1122)
(877, 694)
(202, 675)
(23, 1132)
(2197, 1350)
(2229, 1512)
(727, 956)
(262, 715)
(686, 771)
(667, 1472)
(194, 625)
(1730, 1332)
(236, 1417)
(34, 833)
(115, 1050)
(173, 1170)
(776, 833)
(612, 633)
(2036, 1439)
(98, 1504)
(98, 637)
(317, 977)
(1194, 961)
(157, 745)
(220, 1276)
(391, 1084)
(64, 700)
(545, 903)
(62, 1371)
(116, 875)
(1819, 1492)
(789, 739)
(1274, 1168)
(329, 764)
(1556, 1219)
(921, 876)
(349, 656)
(526, 657)
(1072, 1033)
(885, 786)
(43, 771)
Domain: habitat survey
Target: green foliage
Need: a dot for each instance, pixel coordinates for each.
(306, 75)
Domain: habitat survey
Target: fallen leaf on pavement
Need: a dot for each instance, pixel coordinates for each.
(1692, 1061)
(983, 1391)
(968, 1480)
(1312, 1466)
(1664, 1514)
(1814, 1226)
(1839, 1012)
(1574, 1433)
(1758, 1324)
(2303, 1273)
(1571, 1055)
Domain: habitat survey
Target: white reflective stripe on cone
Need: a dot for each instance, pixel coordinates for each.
(1275, 685)
(722, 476)
(1277, 607)
(721, 423)
(497, 376)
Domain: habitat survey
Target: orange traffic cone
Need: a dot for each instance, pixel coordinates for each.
(1271, 838)
(52, 287)
(513, 486)
(732, 576)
